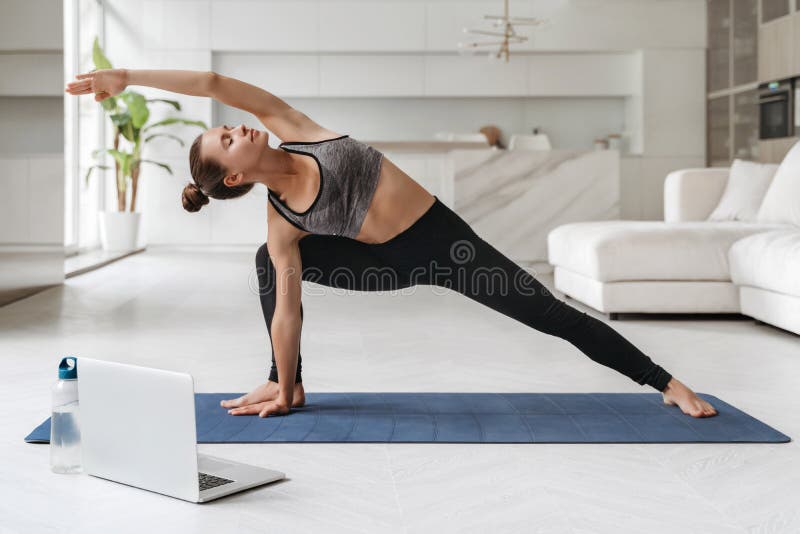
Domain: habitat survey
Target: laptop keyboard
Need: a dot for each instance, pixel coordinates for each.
(210, 481)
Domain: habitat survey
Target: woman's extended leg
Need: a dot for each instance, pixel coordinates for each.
(492, 279)
(445, 251)
(497, 282)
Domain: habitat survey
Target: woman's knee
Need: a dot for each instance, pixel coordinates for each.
(561, 319)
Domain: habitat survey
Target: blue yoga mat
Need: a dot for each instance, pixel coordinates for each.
(475, 418)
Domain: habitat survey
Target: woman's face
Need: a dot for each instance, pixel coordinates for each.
(237, 149)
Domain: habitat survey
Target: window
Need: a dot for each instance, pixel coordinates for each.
(84, 130)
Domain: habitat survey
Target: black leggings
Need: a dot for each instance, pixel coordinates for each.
(441, 249)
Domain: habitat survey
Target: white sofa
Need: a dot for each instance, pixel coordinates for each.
(686, 263)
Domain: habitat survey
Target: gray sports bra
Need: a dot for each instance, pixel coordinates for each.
(348, 176)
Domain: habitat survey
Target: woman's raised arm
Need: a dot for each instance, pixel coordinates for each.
(105, 83)
(278, 116)
(187, 82)
(247, 97)
(230, 91)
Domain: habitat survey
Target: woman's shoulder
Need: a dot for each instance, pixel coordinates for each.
(280, 230)
(315, 136)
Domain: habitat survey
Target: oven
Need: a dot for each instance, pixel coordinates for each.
(776, 110)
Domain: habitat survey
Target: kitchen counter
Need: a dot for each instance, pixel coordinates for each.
(512, 199)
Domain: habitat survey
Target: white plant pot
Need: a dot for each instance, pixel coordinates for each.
(119, 230)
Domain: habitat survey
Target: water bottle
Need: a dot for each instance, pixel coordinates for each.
(65, 435)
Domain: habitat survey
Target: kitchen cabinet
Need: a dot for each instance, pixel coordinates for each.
(736, 61)
(732, 22)
(564, 74)
(719, 135)
(776, 54)
(243, 25)
(33, 74)
(745, 41)
(773, 9)
(281, 74)
(175, 25)
(351, 75)
(719, 51)
(796, 23)
(470, 76)
(745, 125)
(374, 26)
(774, 150)
(733, 128)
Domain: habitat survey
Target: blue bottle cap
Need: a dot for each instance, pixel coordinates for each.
(68, 368)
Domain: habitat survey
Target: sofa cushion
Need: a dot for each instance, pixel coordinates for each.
(768, 260)
(648, 250)
(782, 201)
(747, 184)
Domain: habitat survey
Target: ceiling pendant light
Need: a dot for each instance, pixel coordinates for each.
(505, 25)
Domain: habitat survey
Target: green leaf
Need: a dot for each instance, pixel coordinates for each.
(120, 119)
(89, 172)
(137, 107)
(109, 104)
(164, 165)
(99, 58)
(178, 139)
(129, 132)
(126, 165)
(173, 103)
(119, 156)
(176, 120)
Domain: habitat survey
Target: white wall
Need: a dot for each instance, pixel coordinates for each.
(673, 126)
(30, 25)
(429, 25)
(570, 122)
(31, 107)
(31, 146)
(636, 64)
(435, 75)
(31, 125)
(32, 203)
(31, 119)
(31, 85)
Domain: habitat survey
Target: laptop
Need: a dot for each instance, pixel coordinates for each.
(138, 428)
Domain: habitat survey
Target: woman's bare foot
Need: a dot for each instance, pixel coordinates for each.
(676, 393)
(266, 392)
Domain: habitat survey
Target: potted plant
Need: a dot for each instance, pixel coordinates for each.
(129, 114)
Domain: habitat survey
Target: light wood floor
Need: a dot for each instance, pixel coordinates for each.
(196, 312)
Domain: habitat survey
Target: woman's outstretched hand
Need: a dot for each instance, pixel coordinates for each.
(263, 409)
(103, 83)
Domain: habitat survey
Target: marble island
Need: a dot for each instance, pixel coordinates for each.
(512, 199)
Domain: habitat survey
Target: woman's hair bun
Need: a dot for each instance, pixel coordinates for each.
(193, 198)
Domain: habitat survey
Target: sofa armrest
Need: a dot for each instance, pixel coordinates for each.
(692, 194)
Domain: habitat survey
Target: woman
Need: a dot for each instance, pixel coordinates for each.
(341, 214)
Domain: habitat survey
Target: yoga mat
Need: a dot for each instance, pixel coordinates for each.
(475, 418)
